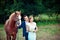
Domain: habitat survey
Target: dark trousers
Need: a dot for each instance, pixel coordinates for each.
(26, 36)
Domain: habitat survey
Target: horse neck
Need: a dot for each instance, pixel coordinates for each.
(12, 24)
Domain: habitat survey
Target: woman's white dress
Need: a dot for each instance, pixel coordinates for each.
(31, 34)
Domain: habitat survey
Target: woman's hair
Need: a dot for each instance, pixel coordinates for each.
(30, 16)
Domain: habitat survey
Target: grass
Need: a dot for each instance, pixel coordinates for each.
(43, 23)
(45, 32)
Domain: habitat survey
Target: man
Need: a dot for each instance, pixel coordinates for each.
(23, 25)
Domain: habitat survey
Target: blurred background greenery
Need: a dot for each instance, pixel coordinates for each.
(46, 14)
(43, 10)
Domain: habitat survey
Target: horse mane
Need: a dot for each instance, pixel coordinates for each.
(7, 21)
(10, 17)
(6, 24)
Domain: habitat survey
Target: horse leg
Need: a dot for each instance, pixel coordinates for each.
(14, 37)
(8, 37)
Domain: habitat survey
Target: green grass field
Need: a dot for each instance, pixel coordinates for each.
(45, 32)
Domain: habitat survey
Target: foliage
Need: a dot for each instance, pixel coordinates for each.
(28, 7)
(45, 17)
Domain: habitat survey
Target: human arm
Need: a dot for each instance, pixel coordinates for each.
(27, 28)
(36, 28)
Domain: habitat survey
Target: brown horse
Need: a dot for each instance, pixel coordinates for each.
(11, 26)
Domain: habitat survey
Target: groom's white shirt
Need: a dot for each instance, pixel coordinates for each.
(27, 23)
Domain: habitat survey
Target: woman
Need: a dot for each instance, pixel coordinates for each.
(31, 29)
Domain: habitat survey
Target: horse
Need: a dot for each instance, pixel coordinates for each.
(11, 25)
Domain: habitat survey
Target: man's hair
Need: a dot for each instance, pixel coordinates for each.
(24, 15)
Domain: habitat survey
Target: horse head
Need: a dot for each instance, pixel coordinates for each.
(18, 18)
(15, 17)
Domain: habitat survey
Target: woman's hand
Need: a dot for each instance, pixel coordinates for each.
(36, 29)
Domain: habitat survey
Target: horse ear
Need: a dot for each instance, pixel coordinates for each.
(15, 13)
(20, 10)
